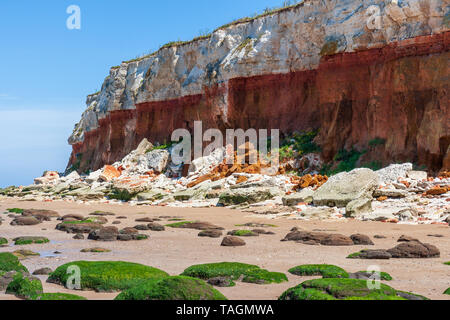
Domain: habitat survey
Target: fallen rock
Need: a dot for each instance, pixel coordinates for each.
(361, 239)
(158, 160)
(247, 195)
(358, 207)
(142, 227)
(109, 173)
(231, 241)
(394, 172)
(404, 238)
(345, 187)
(195, 225)
(72, 217)
(222, 282)
(47, 178)
(418, 175)
(129, 230)
(390, 193)
(304, 196)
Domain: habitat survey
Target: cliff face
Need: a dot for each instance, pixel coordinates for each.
(356, 70)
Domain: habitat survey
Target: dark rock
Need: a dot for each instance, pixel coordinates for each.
(414, 249)
(25, 221)
(379, 236)
(101, 214)
(436, 235)
(200, 226)
(156, 227)
(104, 234)
(125, 237)
(142, 227)
(42, 215)
(210, 233)
(262, 231)
(220, 282)
(361, 239)
(42, 271)
(116, 222)
(315, 238)
(87, 227)
(145, 220)
(406, 239)
(72, 217)
(78, 236)
(121, 218)
(371, 255)
(231, 241)
(129, 231)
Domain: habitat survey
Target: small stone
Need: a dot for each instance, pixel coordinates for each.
(361, 239)
(42, 272)
(78, 236)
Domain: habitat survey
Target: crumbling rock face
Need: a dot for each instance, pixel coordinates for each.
(353, 79)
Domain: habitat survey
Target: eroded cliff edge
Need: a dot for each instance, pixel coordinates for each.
(356, 70)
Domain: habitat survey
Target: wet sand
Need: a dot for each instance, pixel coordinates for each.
(174, 250)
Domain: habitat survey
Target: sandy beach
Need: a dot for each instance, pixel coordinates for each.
(174, 250)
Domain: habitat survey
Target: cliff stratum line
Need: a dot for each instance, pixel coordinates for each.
(356, 70)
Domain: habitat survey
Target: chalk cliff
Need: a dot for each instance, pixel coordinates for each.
(355, 69)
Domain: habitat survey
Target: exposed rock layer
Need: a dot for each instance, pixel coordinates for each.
(286, 71)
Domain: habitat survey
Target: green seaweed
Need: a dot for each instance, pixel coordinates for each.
(324, 270)
(9, 262)
(23, 287)
(172, 288)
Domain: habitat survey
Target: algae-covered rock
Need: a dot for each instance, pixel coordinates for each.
(324, 270)
(172, 288)
(342, 289)
(107, 275)
(234, 271)
(25, 287)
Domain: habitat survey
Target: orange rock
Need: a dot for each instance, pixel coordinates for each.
(436, 191)
(241, 179)
(381, 199)
(109, 173)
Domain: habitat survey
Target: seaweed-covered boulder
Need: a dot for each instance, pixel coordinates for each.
(153, 226)
(234, 271)
(377, 254)
(9, 262)
(107, 276)
(344, 289)
(24, 287)
(197, 225)
(324, 270)
(243, 233)
(172, 288)
(30, 240)
(3, 242)
(247, 195)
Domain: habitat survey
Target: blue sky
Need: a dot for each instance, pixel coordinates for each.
(46, 70)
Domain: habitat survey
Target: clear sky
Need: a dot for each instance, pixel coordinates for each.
(47, 70)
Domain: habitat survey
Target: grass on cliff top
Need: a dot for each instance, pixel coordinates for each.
(324, 270)
(287, 5)
(107, 276)
(339, 289)
(9, 262)
(234, 271)
(57, 297)
(172, 288)
(24, 287)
